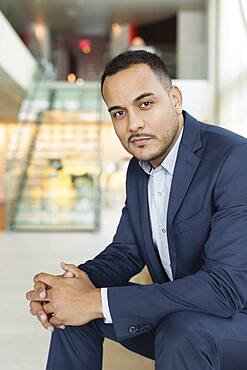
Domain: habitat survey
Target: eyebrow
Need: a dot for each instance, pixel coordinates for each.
(144, 95)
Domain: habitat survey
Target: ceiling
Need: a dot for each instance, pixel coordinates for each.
(79, 18)
(91, 17)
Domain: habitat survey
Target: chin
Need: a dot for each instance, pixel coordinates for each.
(143, 158)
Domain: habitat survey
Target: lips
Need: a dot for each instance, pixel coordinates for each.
(140, 140)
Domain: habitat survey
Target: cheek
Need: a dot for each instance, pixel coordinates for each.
(164, 122)
(154, 117)
(120, 132)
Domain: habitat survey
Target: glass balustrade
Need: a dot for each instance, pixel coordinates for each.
(53, 159)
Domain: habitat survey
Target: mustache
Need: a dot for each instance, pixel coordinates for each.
(134, 136)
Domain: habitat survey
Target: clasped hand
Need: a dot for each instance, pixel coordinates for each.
(69, 299)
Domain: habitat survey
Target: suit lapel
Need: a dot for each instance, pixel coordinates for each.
(187, 163)
(185, 169)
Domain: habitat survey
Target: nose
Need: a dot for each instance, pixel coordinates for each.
(136, 122)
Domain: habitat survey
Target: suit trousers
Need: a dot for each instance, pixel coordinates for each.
(182, 341)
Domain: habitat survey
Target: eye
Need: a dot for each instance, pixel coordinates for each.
(118, 114)
(146, 104)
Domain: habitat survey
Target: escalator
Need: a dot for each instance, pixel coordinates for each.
(53, 159)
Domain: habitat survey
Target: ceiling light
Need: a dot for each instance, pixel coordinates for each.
(79, 81)
(71, 77)
(116, 28)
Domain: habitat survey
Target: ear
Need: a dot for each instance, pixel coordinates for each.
(176, 98)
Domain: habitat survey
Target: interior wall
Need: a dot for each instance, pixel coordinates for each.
(13, 50)
(232, 65)
(191, 45)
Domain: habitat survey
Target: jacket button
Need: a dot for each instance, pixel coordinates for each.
(132, 329)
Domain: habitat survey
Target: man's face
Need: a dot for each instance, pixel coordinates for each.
(147, 118)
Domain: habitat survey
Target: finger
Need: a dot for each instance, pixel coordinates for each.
(48, 279)
(55, 322)
(33, 296)
(68, 269)
(48, 308)
(72, 269)
(40, 289)
(68, 274)
(36, 309)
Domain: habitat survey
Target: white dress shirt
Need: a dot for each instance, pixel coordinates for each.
(159, 186)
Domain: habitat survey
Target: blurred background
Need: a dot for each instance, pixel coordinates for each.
(62, 170)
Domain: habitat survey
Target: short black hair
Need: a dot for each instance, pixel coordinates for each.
(132, 57)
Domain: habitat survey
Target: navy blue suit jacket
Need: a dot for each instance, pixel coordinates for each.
(207, 236)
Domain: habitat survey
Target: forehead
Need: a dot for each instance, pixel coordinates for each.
(129, 83)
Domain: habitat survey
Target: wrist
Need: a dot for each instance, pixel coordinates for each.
(97, 308)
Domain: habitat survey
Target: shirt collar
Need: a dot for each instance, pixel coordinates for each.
(169, 161)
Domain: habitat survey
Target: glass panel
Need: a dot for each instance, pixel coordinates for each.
(54, 162)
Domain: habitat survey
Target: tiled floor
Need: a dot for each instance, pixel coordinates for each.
(23, 343)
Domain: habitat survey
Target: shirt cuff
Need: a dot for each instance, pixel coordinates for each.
(105, 306)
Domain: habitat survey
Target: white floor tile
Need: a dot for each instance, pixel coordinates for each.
(23, 342)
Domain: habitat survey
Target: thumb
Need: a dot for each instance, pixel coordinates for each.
(68, 274)
(71, 270)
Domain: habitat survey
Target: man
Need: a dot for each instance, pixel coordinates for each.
(185, 217)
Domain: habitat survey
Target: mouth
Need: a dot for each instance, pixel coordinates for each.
(139, 141)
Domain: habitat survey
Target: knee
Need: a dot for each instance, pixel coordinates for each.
(71, 334)
(186, 321)
(172, 331)
(183, 329)
(181, 322)
(182, 339)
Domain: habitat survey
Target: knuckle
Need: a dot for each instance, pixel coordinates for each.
(38, 286)
(40, 289)
(37, 277)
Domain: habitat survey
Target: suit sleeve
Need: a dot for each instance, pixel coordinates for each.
(220, 286)
(119, 261)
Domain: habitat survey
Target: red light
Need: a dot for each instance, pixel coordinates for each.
(85, 45)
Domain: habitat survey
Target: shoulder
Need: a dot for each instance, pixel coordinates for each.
(221, 136)
(219, 144)
(209, 139)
